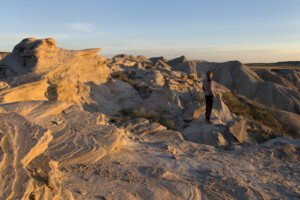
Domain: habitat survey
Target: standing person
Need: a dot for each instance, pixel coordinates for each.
(208, 89)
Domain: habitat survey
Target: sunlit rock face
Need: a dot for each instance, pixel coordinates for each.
(77, 125)
(38, 70)
(20, 143)
(3, 54)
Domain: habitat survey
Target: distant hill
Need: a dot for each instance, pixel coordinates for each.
(289, 63)
(277, 65)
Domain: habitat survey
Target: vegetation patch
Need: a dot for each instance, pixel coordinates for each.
(127, 114)
(144, 90)
(199, 97)
(149, 67)
(126, 76)
(254, 111)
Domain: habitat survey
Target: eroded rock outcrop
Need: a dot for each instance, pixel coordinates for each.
(3, 54)
(203, 133)
(21, 143)
(38, 70)
(81, 137)
(193, 110)
(142, 127)
(239, 130)
(61, 138)
(279, 88)
(240, 78)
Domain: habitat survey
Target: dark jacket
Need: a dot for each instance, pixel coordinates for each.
(208, 87)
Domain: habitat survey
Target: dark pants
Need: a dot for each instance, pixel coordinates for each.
(209, 105)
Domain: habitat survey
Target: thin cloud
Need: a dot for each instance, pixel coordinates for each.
(166, 43)
(126, 43)
(81, 26)
(141, 43)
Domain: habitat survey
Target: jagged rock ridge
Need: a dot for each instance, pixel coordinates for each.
(87, 126)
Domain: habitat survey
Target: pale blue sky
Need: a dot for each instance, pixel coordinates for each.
(213, 30)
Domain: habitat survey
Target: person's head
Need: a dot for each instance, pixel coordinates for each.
(209, 74)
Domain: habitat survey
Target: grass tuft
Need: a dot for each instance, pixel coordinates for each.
(149, 67)
(253, 111)
(126, 114)
(127, 76)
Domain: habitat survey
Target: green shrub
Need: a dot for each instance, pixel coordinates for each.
(252, 110)
(126, 114)
(237, 107)
(126, 77)
(199, 97)
(130, 74)
(144, 90)
(167, 123)
(149, 67)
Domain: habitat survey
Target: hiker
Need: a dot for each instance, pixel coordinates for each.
(208, 89)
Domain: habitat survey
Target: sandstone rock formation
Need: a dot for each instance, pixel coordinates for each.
(205, 134)
(193, 110)
(221, 114)
(63, 134)
(237, 77)
(279, 88)
(154, 60)
(22, 142)
(286, 77)
(3, 54)
(238, 130)
(124, 57)
(37, 70)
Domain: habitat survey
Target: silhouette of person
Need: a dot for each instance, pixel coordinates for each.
(208, 89)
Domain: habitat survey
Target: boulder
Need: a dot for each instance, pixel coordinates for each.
(203, 133)
(220, 113)
(193, 110)
(214, 138)
(238, 130)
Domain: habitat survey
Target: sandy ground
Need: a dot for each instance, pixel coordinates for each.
(151, 168)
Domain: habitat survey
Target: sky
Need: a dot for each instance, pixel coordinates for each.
(212, 30)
